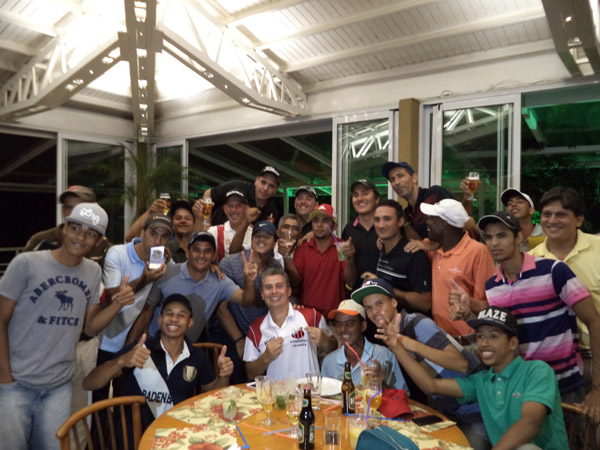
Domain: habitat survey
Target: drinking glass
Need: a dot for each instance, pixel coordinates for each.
(332, 427)
(264, 392)
(293, 406)
(280, 391)
(473, 184)
(315, 379)
(287, 241)
(356, 424)
(167, 198)
(207, 205)
(372, 389)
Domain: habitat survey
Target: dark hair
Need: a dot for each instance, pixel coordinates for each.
(568, 197)
(270, 271)
(181, 204)
(177, 298)
(392, 204)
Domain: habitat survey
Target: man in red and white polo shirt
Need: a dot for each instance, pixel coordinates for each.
(284, 342)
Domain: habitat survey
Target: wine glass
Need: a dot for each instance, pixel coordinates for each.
(372, 389)
(266, 397)
(293, 406)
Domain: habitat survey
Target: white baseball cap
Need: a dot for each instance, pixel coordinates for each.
(449, 210)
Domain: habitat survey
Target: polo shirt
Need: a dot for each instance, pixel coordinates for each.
(584, 260)
(323, 286)
(219, 196)
(227, 236)
(184, 380)
(334, 363)
(431, 195)
(365, 244)
(408, 272)
(501, 397)
(299, 355)
(205, 295)
(177, 253)
(542, 300)
(470, 264)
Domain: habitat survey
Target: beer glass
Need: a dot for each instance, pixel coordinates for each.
(473, 184)
(266, 397)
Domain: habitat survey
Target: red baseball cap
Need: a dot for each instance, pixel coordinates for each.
(324, 208)
(394, 403)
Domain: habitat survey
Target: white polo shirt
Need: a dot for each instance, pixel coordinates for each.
(299, 356)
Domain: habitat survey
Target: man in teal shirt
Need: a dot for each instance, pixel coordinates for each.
(519, 400)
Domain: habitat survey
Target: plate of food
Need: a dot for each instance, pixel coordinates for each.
(329, 386)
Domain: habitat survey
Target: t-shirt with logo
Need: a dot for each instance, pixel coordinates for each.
(51, 302)
(299, 355)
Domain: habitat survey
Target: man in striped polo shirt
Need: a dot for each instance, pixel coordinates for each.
(545, 297)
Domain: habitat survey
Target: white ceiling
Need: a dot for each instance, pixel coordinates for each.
(194, 55)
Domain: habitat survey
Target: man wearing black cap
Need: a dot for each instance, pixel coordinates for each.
(404, 182)
(520, 205)
(165, 368)
(53, 238)
(365, 199)
(305, 202)
(258, 195)
(519, 400)
(544, 296)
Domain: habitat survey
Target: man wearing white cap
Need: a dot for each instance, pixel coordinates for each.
(460, 262)
(46, 297)
(520, 205)
(350, 323)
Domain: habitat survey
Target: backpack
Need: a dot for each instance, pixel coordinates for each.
(384, 438)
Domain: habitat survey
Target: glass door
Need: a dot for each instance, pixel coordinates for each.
(362, 143)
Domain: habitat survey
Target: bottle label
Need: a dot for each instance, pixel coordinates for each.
(351, 400)
(311, 436)
(304, 403)
(347, 376)
(301, 433)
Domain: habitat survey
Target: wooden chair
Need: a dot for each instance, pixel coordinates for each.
(574, 415)
(80, 417)
(212, 350)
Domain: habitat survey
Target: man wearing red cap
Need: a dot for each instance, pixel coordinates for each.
(324, 265)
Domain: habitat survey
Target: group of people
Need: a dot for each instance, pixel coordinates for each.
(493, 323)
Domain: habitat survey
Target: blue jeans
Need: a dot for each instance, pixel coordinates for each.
(29, 417)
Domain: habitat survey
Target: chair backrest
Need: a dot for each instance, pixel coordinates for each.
(212, 349)
(579, 427)
(112, 405)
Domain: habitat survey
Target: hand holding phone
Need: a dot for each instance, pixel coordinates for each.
(157, 257)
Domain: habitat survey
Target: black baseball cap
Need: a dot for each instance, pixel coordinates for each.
(236, 193)
(373, 286)
(388, 166)
(271, 171)
(497, 317)
(308, 189)
(500, 216)
(202, 236)
(364, 182)
(179, 298)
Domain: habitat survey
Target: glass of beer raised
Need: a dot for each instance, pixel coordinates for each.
(473, 184)
(207, 205)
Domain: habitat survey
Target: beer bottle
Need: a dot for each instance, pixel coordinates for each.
(306, 439)
(347, 390)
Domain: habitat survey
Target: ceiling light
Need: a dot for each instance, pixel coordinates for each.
(568, 18)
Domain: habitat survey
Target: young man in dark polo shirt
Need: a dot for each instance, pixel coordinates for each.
(259, 194)
(305, 202)
(408, 273)
(365, 199)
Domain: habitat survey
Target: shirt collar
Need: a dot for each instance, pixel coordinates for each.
(458, 248)
(133, 256)
(366, 355)
(528, 264)
(290, 314)
(508, 370)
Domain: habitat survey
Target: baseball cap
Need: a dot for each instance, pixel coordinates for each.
(500, 216)
(157, 221)
(266, 226)
(323, 208)
(349, 307)
(272, 171)
(511, 192)
(373, 286)
(497, 317)
(449, 210)
(308, 189)
(388, 166)
(84, 193)
(394, 403)
(203, 236)
(91, 215)
(236, 193)
(363, 181)
(180, 204)
(179, 298)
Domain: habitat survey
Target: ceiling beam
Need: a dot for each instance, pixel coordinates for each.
(17, 47)
(361, 16)
(584, 20)
(259, 155)
(259, 8)
(33, 25)
(556, 12)
(207, 176)
(27, 155)
(230, 165)
(311, 151)
(441, 33)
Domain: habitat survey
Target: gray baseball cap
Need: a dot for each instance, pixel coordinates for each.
(91, 215)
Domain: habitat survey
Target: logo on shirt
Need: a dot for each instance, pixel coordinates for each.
(189, 373)
(298, 334)
(516, 394)
(66, 302)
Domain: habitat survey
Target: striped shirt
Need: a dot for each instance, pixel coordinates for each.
(542, 300)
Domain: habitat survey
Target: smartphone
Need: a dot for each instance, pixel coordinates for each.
(427, 420)
(157, 257)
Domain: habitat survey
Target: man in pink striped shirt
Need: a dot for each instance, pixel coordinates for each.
(545, 297)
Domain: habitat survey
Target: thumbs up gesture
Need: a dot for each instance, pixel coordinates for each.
(124, 295)
(137, 356)
(460, 302)
(224, 363)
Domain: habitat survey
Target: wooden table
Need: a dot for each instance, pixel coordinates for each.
(253, 430)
